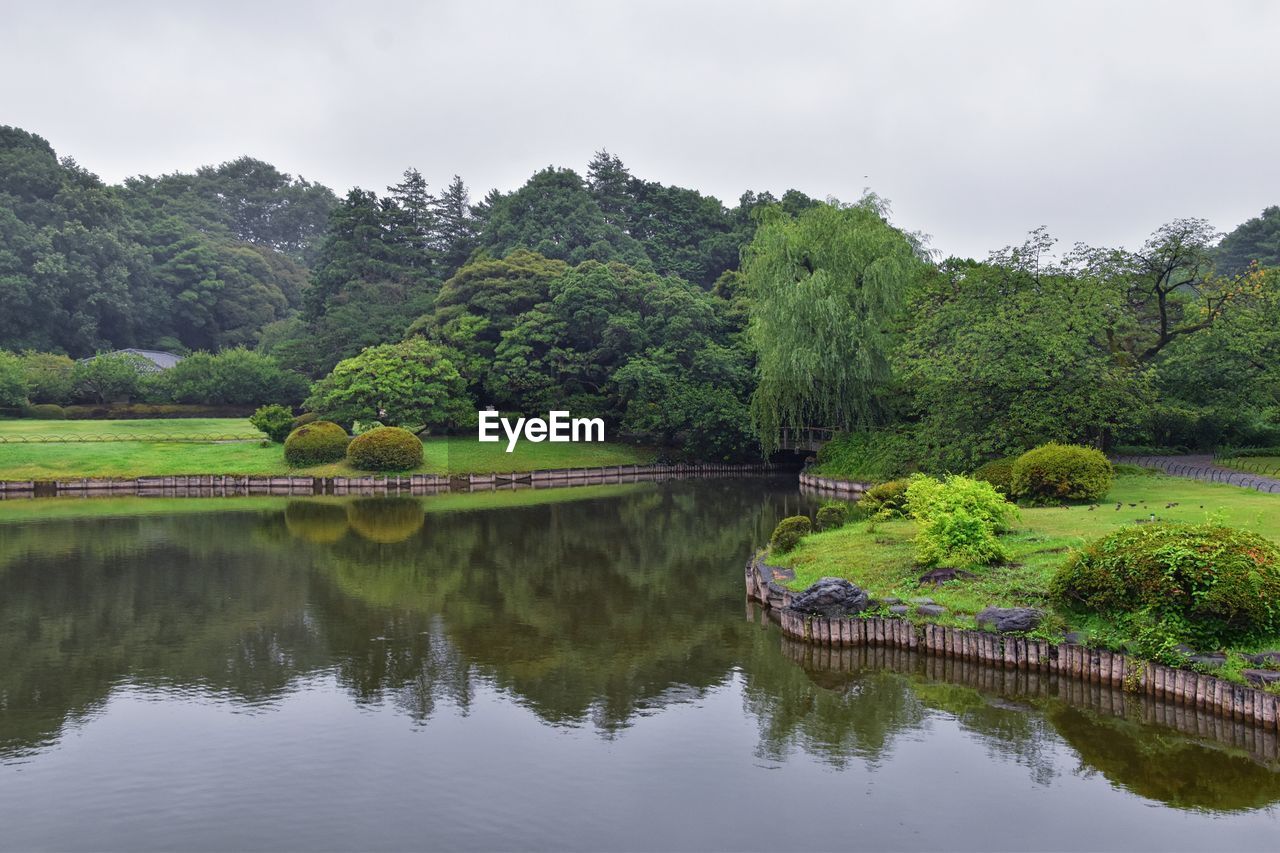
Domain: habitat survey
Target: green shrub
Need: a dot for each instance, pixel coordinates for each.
(958, 520)
(385, 449)
(999, 473)
(1206, 584)
(789, 532)
(275, 420)
(305, 418)
(866, 456)
(315, 444)
(832, 514)
(45, 412)
(886, 500)
(1061, 472)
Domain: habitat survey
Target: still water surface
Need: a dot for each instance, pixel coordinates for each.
(562, 670)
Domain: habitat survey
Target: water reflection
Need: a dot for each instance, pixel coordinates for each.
(589, 607)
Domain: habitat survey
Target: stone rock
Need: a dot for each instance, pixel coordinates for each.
(919, 601)
(831, 597)
(1075, 638)
(1213, 659)
(1004, 620)
(1268, 658)
(1262, 676)
(938, 577)
(931, 610)
(890, 601)
(900, 609)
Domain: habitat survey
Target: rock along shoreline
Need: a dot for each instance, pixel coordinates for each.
(1192, 690)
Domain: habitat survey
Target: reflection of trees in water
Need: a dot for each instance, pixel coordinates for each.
(1165, 766)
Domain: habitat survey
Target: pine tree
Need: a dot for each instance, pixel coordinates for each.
(456, 232)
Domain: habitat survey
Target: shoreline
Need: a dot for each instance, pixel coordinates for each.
(1184, 688)
(231, 485)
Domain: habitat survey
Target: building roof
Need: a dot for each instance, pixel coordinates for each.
(159, 358)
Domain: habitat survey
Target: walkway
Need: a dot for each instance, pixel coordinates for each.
(1202, 467)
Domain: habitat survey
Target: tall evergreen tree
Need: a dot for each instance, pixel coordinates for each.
(456, 229)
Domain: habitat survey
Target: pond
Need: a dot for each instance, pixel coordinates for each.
(561, 669)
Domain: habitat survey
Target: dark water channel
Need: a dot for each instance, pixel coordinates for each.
(573, 669)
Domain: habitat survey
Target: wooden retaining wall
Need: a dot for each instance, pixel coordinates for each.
(1182, 687)
(218, 485)
(841, 488)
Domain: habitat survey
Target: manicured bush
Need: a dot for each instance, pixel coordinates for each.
(275, 420)
(315, 444)
(997, 472)
(130, 411)
(385, 449)
(1061, 472)
(789, 532)
(305, 418)
(831, 515)
(1206, 584)
(958, 520)
(316, 521)
(886, 500)
(45, 412)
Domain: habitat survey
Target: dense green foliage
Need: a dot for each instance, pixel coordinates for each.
(316, 443)
(997, 472)
(885, 500)
(232, 377)
(45, 412)
(385, 449)
(1053, 473)
(827, 288)
(274, 420)
(1256, 241)
(789, 532)
(1207, 584)
(958, 521)
(867, 457)
(413, 383)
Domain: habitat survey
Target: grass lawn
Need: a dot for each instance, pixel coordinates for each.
(454, 455)
(881, 559)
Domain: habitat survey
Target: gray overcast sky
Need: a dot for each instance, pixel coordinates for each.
(978, 121)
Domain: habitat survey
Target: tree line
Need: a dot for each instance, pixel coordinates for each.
(674, 316)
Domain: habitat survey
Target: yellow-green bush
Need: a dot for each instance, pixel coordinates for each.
(832, 515)
(315, 444)
(385, 449)
(1054, 472)
(958, 520)
(789, 532)
(1204, 583)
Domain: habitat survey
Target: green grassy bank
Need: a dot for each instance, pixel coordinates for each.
(879, 558)
(124, 457)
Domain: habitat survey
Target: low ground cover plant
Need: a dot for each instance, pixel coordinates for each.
(1207, 584)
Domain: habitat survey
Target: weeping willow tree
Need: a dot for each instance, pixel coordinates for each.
(827, 288)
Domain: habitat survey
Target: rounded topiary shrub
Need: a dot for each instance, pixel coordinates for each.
(46, 412)
(316, 521)
(305, 418)
(1206, 583)
(832, 515)
(385, 449)
(789, 532)
(1061, 472)
(316, 443)
(386, 520)
(999, 473)
(886, 500)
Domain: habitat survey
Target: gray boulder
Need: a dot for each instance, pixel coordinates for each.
(1005, 620)
(1264, 677)
(831, 597)
(1268, 658)
(931, 610)
(900, 610)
